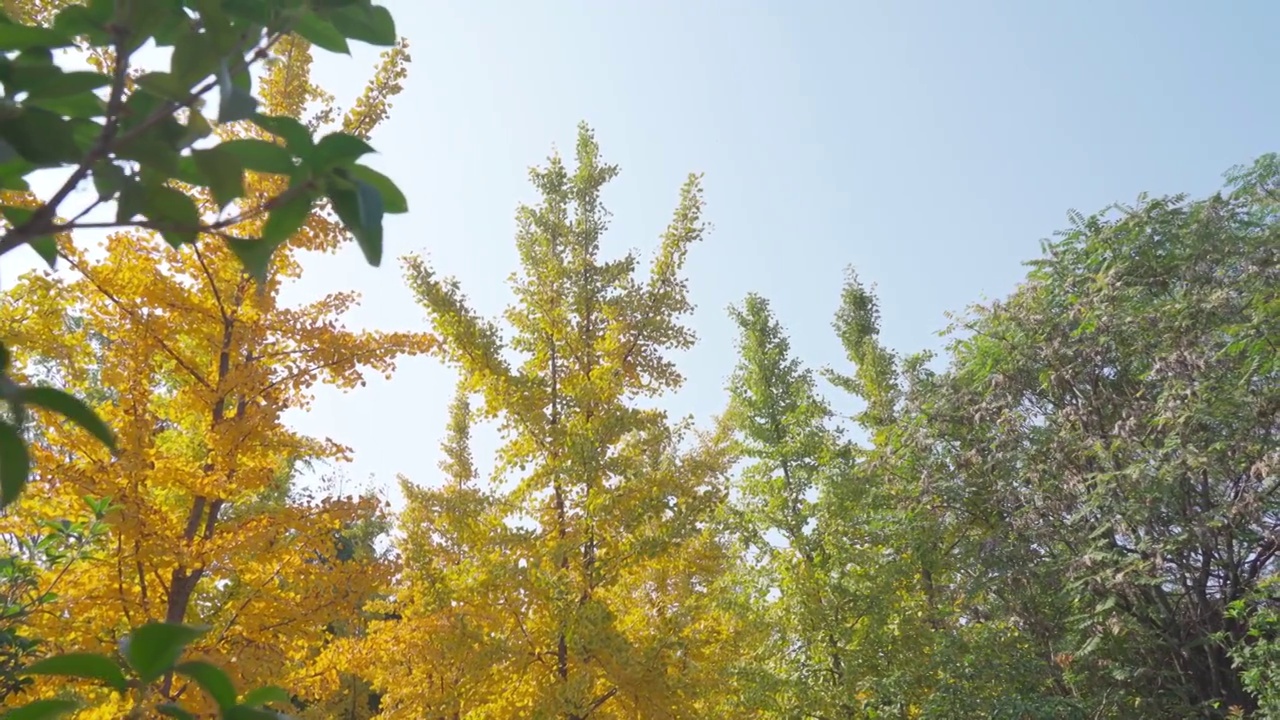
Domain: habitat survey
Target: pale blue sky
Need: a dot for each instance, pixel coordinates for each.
(929, 144)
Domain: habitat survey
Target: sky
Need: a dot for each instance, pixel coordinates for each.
(929, 145)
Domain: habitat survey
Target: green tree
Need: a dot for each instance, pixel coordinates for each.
(1111, 429)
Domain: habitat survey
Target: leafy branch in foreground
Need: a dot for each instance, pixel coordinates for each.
(151, 652)
(138, 137)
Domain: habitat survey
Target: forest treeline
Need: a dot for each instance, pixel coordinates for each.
(1069, 512)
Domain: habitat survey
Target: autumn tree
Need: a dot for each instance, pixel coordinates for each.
(195, 361)
(601, 600)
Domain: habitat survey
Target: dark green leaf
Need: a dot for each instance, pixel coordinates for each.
(151, 150)
(198, 128)
(175, 710)
(254, 255)
(235, 105)
(296, 136)
(244, 712)
(7, 153)
(89, 20)
(89, 666)
(165, 85)
(146, 18)
(194, 59)
(62, 84)
(153, 648)
(372, 24)
(321, 33)
(41, 137)
(254, 11)
(131, 200)
(261, 155)
(338, 149)
(213, 680)
(258, 697)
(4, 358)
(46, 246)
(223, 172)
(175, 213)
(361, 211)
(286, 219)
(85, 105)
(15, 464)
(70, 407)
(236, 97)
(393, 201)
(42, 710)
(85, 133)
(108, 178)
(19, 37)
(16, 215)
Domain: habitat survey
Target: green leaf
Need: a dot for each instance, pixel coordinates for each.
(197, 128)
(244, 712)
(321, 33)
(46, 246)
(236, 101)
(261, 155)
(175, 213)
(296, 136)
(372, 24)
(153, 648)
(254, 255)
(130, 201)
(16, 215)
(152, 151)
(175, 710)
(393, 201)
(338, 149)
(21, 37)
(286, 219)
(83, 106)
(40, 137)
(4, 358)
(258, 697)
(237, 104)
(74, 20)
(165, 85)
(89, 666)
(361, 211)
(7, 152)
(213, 680)
(193, 59)
(70, 407)
(108, 178)
(223, 171)
(15, 464)
(62, 84)
(42, 710)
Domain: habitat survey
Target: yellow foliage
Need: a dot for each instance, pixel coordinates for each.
(192, 364)
(589, 582)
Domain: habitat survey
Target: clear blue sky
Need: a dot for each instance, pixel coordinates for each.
(931, 145)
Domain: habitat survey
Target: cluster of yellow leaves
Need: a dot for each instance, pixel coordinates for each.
(193, 365)
(589, 582)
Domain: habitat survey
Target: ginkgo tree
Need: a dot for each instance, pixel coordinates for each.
(602, 599)
(192, 355)
(135, 136)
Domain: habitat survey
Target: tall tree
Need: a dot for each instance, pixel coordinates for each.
(1111, 429)
(202, 363)
(607, 605)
